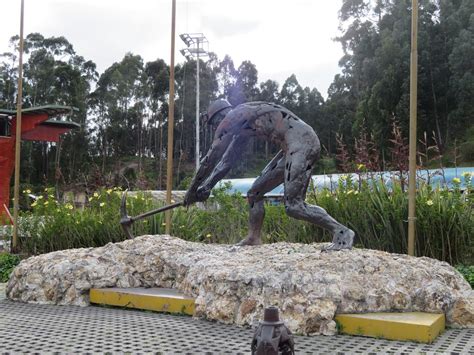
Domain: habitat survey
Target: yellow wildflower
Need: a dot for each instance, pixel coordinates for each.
(456, 180)
(34, 204)
(109, 191)
(466, 174)
(40, 197)
(96, 194)
(429, 202)
(208, 235)
(46, 203)
(360, 166)
(102, 204)
(69, 206)
(91, 198)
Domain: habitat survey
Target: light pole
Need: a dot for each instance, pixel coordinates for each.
(195, 48)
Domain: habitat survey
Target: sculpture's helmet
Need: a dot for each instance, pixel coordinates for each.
(214, 108)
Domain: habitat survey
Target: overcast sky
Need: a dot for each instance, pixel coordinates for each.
(279, 37)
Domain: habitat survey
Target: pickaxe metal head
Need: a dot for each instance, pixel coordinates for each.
(125, 220)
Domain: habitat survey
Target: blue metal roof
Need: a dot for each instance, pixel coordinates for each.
(437, 177)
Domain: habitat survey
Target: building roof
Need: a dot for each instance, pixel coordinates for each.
(65, 124)
(51, 111)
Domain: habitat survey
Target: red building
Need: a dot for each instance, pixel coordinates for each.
(37, 124)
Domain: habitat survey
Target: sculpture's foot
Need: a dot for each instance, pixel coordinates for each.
(250, 240)
(343, 239)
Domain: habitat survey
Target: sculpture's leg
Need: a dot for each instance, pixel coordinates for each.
(271, 177)
(297, 176)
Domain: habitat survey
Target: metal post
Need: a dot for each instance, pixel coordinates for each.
(169, 162)
(16, 194)
(413, 113)
(191, 40)
(197, 107)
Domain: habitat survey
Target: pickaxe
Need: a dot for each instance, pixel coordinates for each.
(126, 221)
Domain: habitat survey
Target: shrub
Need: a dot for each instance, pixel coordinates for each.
(7, 263)
(376, 212)
(54, 226)
(467, 272)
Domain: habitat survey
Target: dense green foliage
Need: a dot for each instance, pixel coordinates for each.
(377, 215)
(7, 263)
(467, 272)
(123, 111)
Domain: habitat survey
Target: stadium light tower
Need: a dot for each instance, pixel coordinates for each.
(195, 48)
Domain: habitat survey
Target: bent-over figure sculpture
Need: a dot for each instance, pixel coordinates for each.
(292, 165)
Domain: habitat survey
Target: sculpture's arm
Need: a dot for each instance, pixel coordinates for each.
(231, 155)
(208, 163)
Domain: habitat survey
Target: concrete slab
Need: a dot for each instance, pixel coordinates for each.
(407, 326)
(152, 299)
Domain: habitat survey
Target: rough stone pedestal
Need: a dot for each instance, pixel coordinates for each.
(235, 284)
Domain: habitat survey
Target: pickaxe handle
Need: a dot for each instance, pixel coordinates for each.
(126, 221)
(155, 211)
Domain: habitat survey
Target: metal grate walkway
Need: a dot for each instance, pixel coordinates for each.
(40, 328)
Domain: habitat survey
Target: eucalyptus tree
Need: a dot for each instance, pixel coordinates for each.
(157, 88)
(269, 91)
(186, 106)
(373, 88)
(53, 74)
(118, 103)
(8, 80)
(290, 94)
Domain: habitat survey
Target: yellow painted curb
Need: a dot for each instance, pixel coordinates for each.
(409, 326)
(152, 299)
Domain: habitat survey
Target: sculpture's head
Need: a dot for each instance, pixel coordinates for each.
(216, 111)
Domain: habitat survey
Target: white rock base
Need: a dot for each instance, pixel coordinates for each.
(235, 284)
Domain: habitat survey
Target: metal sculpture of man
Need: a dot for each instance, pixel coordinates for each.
(292, 165)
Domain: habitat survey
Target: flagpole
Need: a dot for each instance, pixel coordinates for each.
(16, 194)
(169, 162)
(413, 114)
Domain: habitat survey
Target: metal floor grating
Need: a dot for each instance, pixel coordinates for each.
(40, 328)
